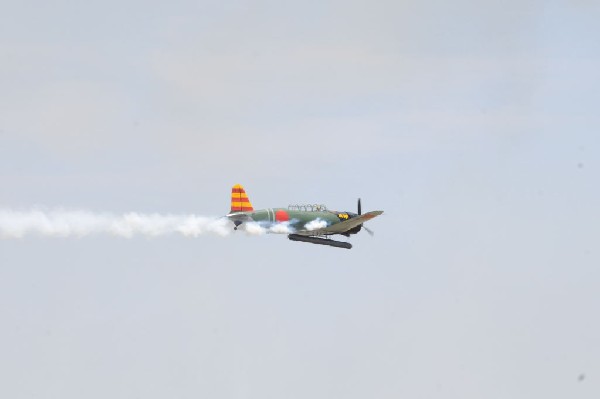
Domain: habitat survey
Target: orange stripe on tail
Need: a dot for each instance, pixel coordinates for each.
(239, 200)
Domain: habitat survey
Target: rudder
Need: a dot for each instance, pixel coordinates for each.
(239, 200)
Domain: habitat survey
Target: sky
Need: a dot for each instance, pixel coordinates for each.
(474, 126)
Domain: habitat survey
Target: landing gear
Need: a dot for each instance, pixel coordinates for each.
(236, 223)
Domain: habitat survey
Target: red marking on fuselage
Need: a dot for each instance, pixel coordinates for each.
(282, 216)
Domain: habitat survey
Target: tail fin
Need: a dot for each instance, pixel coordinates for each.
(239, 200)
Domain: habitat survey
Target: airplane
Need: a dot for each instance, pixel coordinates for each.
(305, 223)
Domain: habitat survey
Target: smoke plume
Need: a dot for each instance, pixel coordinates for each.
(260, 228)
(316, 224)
(69, 223)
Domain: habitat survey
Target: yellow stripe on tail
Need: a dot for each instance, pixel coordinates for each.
(239, 200)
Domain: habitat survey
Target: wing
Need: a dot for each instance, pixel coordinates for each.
(344, 226)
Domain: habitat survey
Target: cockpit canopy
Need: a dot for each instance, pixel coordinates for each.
(308, 208)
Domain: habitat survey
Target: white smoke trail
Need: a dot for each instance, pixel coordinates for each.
(281, 228)
(315, 225)
(68, 223)
(253, 228)
(260, 228)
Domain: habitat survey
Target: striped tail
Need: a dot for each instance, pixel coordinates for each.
(239, 200)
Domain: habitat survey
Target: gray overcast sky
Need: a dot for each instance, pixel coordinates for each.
(473, 125)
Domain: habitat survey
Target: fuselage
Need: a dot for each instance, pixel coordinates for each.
(299, 220)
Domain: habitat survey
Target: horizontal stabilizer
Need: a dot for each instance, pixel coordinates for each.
(239, 217)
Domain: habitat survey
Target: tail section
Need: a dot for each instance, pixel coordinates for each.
(239, 200)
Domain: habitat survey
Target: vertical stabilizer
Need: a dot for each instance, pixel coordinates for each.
(239, 200)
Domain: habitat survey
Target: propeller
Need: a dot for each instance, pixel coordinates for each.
(371, 233)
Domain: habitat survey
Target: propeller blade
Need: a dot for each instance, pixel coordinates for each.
(359, 207)
(371, 233)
